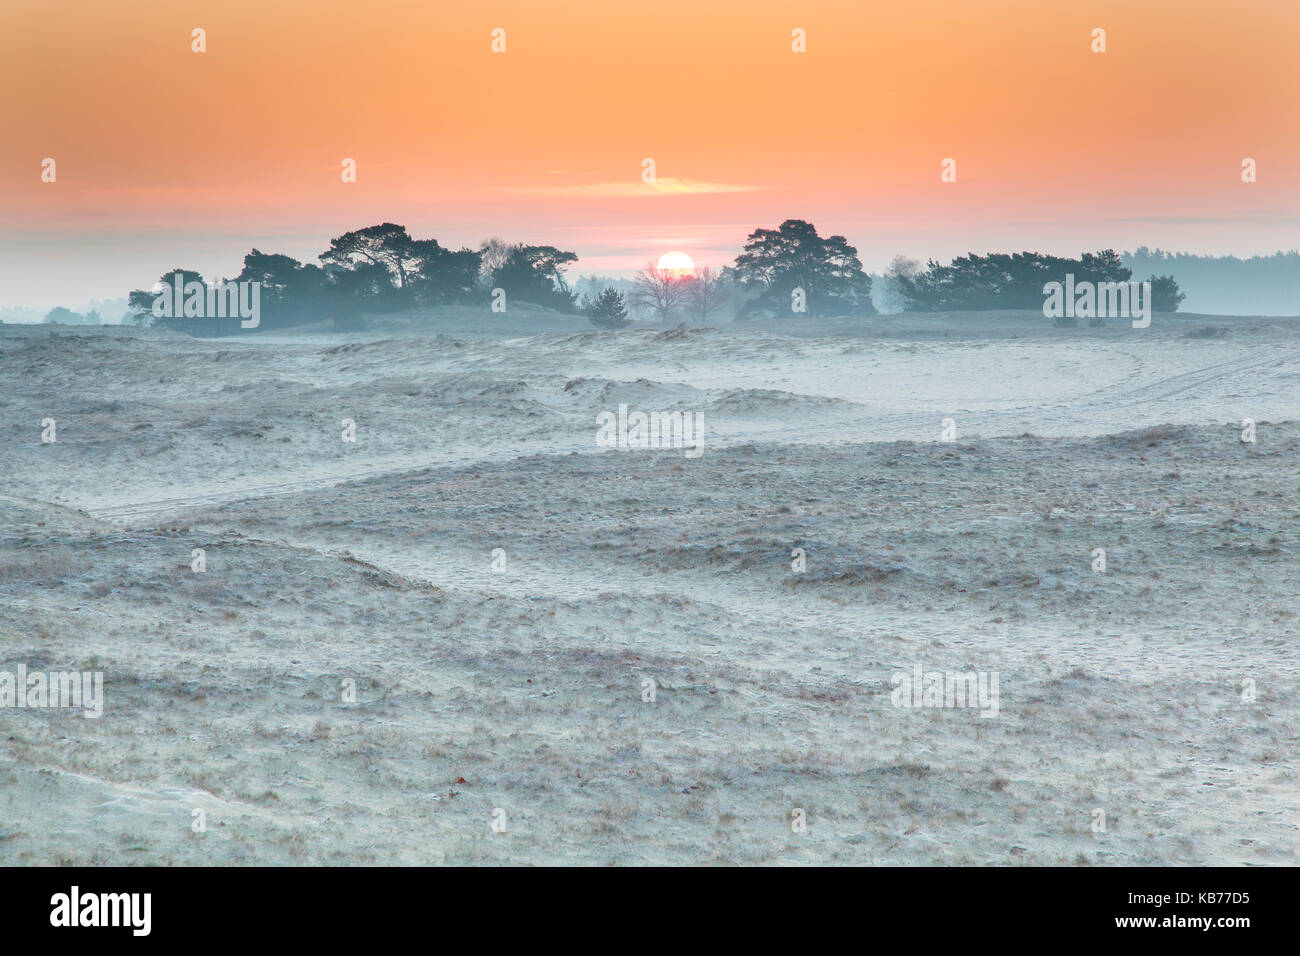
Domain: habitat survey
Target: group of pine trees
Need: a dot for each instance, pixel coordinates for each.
(375, 270)
(1008, 281)
(790, 270)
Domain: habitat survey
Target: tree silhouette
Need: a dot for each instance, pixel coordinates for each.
(608, 310)
(660, 291)
(776, 262)
(533, 274)
(1012, 281)
(140, 301)
(441, 276)
(1165, 295)
(705, 293)
(387, 244)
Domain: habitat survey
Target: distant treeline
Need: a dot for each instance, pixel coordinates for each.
(1226, 285)
(787, 271)
(1006, 281)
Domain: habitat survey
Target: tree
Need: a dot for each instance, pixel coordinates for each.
(139, 308)
(493, 254)
(140, 302)
(290, 291)
(442, 276)
(60, 315)
(659, 290)
(387, 244)
(424, 271)
(365, 286)
(534, 274)
(1165, 295)
(898, 279)
(776, 262)
(608, 310)
(275, 272)
(705, 293)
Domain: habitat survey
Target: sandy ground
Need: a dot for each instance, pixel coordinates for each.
(521, 688)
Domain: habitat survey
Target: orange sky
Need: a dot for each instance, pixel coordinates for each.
(171, 158)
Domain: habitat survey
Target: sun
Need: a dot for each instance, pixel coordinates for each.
(676, 264)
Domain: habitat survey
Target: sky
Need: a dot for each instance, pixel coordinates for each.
(166, 158)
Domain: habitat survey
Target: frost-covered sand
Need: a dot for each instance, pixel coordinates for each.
(521, 689)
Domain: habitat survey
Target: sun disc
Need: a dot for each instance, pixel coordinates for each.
(677, 264)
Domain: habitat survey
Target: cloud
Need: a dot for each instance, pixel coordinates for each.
(662, 186)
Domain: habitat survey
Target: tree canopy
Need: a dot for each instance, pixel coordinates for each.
(776, 262)
(1011, 281)
(535, 274)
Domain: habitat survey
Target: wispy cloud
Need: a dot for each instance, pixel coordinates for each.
(662, 186)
